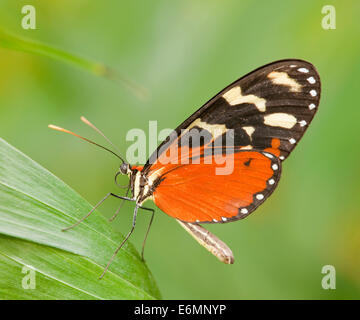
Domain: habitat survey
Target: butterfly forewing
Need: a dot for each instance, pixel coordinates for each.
(271, 106)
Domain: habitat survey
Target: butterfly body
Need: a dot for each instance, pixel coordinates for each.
(142, 187)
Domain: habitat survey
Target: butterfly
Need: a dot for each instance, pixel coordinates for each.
(254, 123)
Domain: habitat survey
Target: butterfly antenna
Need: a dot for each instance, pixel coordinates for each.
(51, 126)
(86, 121)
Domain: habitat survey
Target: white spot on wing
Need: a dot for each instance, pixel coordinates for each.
(244, 211)
(271, 181)
(282, 157)
(292, 140)
(235, 97)
(283, 120)
(303, 123)
(312, 106)
(223, 219)
(259, 196)
(282, 78)
(313, 93)
(303, 70)
(275, 166)
(268, 155)
(311, 80)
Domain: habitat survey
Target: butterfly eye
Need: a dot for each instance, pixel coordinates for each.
(124, 168)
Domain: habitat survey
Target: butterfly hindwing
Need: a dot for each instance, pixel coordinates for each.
(194, 193)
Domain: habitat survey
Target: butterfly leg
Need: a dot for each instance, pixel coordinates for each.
(147, 231)
(123, 242)
(120, 206)
(95, 207)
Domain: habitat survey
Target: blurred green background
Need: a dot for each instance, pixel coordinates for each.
(184, 52)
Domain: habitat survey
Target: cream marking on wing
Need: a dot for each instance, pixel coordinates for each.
(248, 147)
(282, 78)
(249, 131)
(146, 189)
(216, 130)
(283, 120)
(234, 97)
(154, 175)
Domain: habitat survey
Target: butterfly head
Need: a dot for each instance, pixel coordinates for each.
(124, 168)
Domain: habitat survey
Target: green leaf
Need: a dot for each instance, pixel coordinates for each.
(17, 43)
(34, 206)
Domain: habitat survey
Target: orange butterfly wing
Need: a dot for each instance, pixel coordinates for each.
(195, 193)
